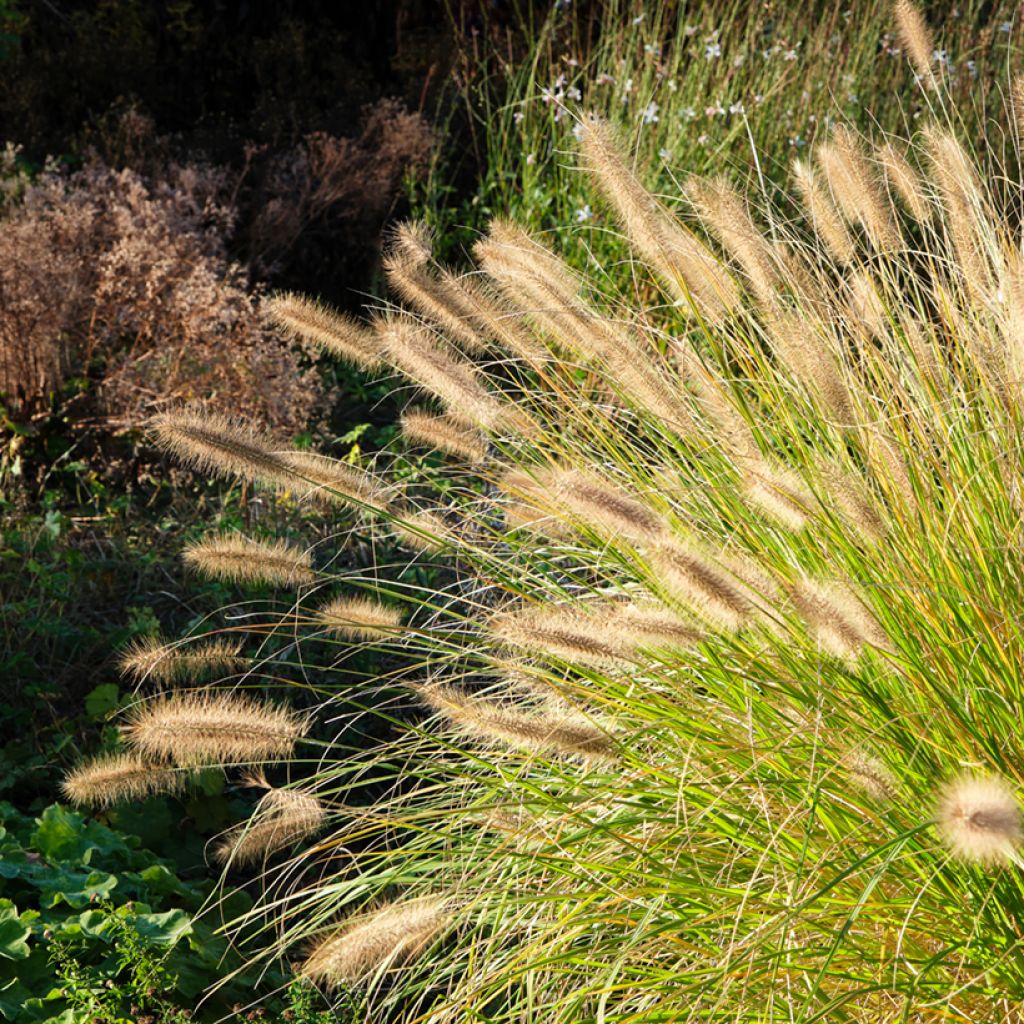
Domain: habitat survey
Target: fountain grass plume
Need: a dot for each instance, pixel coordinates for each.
(390, 936)
(151, 659)
(979, 820)
(359, 617)
(120, 778)
(212, 727)
(541, 732)
(282, 818)
(241, 559)
(445, 433)
(344, 337)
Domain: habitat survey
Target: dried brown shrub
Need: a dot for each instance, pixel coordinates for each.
(354, 180)
(128, 280)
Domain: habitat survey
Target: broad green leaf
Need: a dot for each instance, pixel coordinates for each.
(163, 929)
(101, 700)
(13, 933)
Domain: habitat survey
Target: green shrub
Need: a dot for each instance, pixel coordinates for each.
(94, 926)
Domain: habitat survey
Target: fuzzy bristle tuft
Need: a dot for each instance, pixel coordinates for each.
(212, 727)
(151, 659)
(247, 560)
(359, 618)
(979, 820)
(282, 817)
(390, 936)
(120, 778)
(301, 318)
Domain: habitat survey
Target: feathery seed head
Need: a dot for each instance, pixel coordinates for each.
(495, 318)
(424, 530)
(917, 40)
(651, 627)
(359, 618)
(564, 634)
(871, 776)
(392, 935)
(151, 658)
(330, 480)
(838, 619)
(239, 559)
(689, 574)
(282, 818)
(979, 819)
(778, 492)
(433, 298)
(212, 727)
(215, 444)
(725, 213)
(686, 265)
(413, 240)
(444, 433)
(856, 188)
(303, 319)
(546, 733)
(822, 212)
(119, 778)
(602, 505)
(904, 180)
(416, 352)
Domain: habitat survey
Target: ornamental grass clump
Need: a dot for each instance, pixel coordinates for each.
(704, 716)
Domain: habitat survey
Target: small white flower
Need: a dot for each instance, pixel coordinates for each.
(651, 48)
(577, 132)
(605, 79)
(790, 55)
(702, 139)
(1005, 27)
(737, 61)
(665, 154)
(583, 213)
(758, 98)
(572, 93)
(638, 19)
(518, 116)
(650, 115)
(687, 113)
(672, 85)
(737, 108)
(712, 50)
(627, 85)
(530, 159)
(690, 30)
(940, 57)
